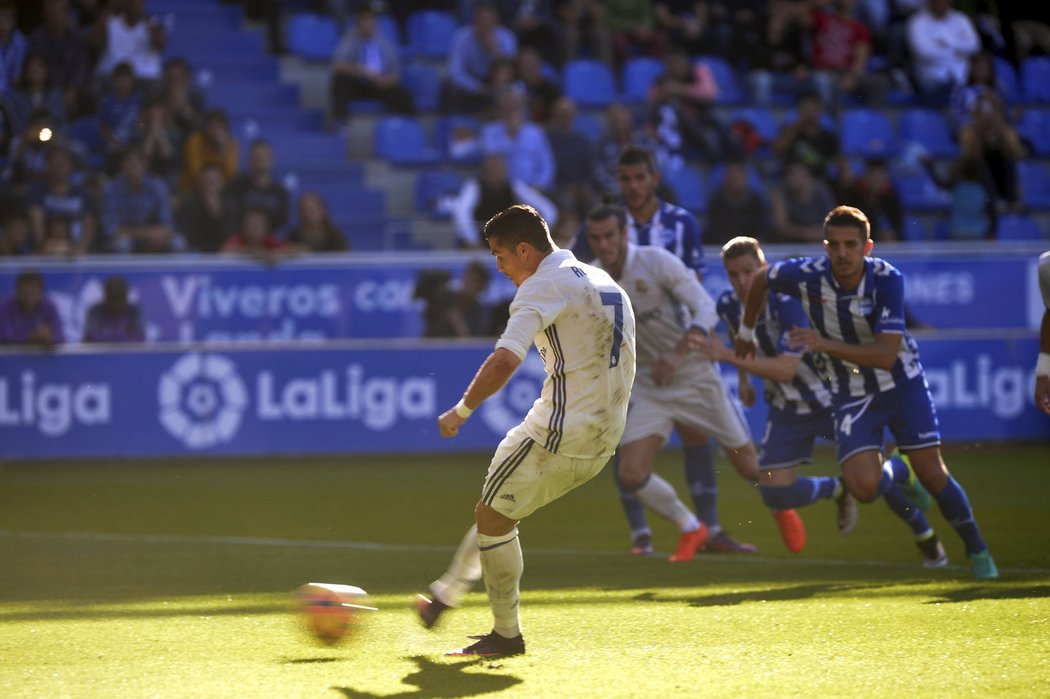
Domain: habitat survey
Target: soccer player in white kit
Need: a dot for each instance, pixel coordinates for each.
(582, 325)
(675, 387)
(1042, 365)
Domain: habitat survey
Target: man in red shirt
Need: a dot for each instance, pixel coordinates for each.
(841, 47)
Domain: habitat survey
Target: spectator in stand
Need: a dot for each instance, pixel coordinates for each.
(480, 198)
(874, 193)
(118, 113)
(159, 139)
(690, 26)
(735, 208)
(137, 215)
(841, 47)
(8, 126)
(540, 90)
(314, 230)
(114, 319)
(679, 112)
(474, 48)
(523, 143)
(28, 153)
(980, 83)
(779, 63)
(135, 39)
(798, 204)
(58, 198)
(743, 21)
(29, 317)
(212, 143)
(456, 312)
(66, 52)
(33, 91)
(583, 30)
(15, 237)
(536, 28)
(256, 239)
(620, 132)
(941, 41)
(990, 140)
(182, 99)
(207, 217)
(573, 161)
(808, 141)
(256, 188)
(366, 66)
(633, 30)
(13, 45)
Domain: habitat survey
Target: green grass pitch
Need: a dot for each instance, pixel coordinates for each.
(172, 579)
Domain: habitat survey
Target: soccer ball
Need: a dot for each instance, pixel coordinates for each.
(329, 611)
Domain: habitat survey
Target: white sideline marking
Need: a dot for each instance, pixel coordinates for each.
(422, 548)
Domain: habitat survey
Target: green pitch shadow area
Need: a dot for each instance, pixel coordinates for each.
(172, 579)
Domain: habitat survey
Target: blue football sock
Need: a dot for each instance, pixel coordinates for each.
(886, 482)
(912, 516)
(632, 508)
(804, 491)
(956, 509)
(899, 470)
(700, 479)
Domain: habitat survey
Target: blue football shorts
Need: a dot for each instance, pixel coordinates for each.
(789, 438)
(907, 411)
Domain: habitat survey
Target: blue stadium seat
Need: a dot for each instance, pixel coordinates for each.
(1035, 78)
(920, 193)
(430, 33)
(590, 83)
(1014, 227)
(444, 129)
(688, 185)
(1034, 127)
(1035, 184)
(1006, 80)
(312, 37)
(424, 82)
(729, 91)
(403, 141)
(915, 230)
(638, 75)
(867, 132)
(928, 128)
(431, 186)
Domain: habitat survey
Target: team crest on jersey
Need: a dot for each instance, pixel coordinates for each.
(640, 286)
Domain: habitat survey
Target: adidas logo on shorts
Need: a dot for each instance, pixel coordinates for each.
(507, 496)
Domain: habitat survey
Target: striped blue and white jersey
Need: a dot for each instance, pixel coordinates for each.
(808, 392)
(672, 228)
(582, 324)
(853, 316)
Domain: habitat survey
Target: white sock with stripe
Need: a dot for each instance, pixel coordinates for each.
(462, 573)
(502, 565)
(659, 496)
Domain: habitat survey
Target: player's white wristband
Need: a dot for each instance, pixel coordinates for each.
(745, 333)
(462, 410)
(1042, 365)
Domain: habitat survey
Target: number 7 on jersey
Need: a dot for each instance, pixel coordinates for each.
(614, 299)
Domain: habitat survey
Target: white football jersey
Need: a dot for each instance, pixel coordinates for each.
(668, 299)
(582, 324)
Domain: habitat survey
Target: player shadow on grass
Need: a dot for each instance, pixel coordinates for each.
(445, 680)
(776, 594)
(982, 592)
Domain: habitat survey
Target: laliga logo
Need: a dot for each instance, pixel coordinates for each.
(506, 408)
(201, 400)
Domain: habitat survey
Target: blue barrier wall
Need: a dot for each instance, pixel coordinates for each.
(377, 397)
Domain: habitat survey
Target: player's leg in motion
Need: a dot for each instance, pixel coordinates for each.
(783, 490)
(641, 534)
(907, 499)
(448, 590)
(636, 476)
(792, 530)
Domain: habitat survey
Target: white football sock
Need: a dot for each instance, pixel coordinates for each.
(462, 573)
(658, 495)
(502, 564)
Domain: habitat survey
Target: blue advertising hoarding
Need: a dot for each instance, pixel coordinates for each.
(359, 398)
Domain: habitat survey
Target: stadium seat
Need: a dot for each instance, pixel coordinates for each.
(729, 91)
(929, 129)
(638, 75)
(919, 192)
(424, 82)
(590, 83)
(431, 186)
(689, 188)
(1034, 127)
(1035, 78)
(312, 37)
(1014, 227)
(403, 141)
(444, 130)
(1035, 184)
(1006, 80)
(915, 230)
(430, 33)
(867, 132)
(754, 178)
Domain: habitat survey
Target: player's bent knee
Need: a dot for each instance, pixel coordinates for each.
(492, 523)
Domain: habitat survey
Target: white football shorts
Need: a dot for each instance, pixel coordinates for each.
(704, 405)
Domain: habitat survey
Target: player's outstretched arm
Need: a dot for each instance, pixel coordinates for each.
(781, 368)
(881, 354)
(1042, 366)
(494, 372)
(744, 342)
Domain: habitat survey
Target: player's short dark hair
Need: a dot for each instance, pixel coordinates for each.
(605, 210)
(636, 155)
(519, 224)
(743, 245)
(851, 216)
